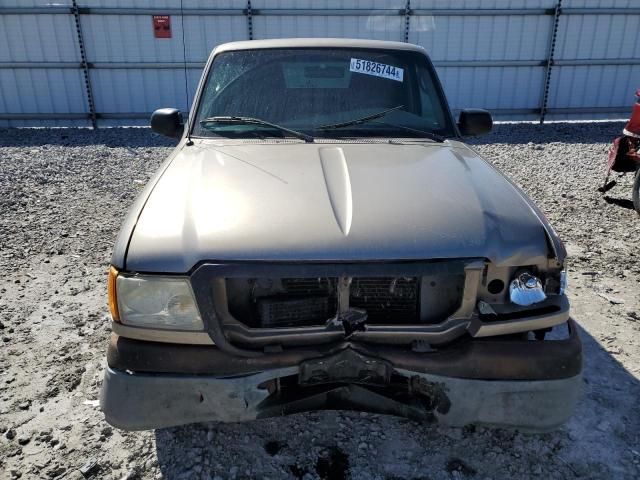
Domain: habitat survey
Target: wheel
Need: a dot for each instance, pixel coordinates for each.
(636, 192)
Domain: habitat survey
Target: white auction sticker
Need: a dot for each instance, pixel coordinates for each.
(377, 69)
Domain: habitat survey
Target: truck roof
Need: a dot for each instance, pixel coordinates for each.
(316, 43)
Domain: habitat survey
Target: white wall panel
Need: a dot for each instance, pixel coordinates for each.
(378, 27)
(518, 37)
(141, 91)
(38, 38)
(594, 86)
(598, 36)
(372, 27)
(42, 91)
(511, 87)
(129, 38)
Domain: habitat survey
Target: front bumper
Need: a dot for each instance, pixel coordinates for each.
(529, 385)
(146, 401)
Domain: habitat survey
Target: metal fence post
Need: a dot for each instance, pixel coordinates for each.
(407, 21)
(85, 66)
(547, 73)
(247, 12)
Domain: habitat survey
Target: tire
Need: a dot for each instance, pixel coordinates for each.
(636, 192)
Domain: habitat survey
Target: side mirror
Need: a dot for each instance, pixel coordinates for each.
(168, 122)
(474, 122)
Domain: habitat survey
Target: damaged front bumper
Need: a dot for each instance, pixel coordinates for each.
(524, 384)
(147, 401)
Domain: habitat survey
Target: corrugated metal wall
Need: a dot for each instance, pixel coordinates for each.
(596, 58)
(493, 61)
(35, 76)
(84, 62)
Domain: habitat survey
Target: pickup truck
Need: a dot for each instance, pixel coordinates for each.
(322, 238)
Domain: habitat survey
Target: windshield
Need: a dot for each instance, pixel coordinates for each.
(322, 92)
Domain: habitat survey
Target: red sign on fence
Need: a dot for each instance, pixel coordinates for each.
(162, 26)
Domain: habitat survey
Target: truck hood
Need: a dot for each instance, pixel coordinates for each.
(331, 202)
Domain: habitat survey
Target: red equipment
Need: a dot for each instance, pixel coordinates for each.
(624, 154)
(633, 125)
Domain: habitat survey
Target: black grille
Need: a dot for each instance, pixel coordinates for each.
(287, 312)
(309, 286)
(299, 302)
(282, 302)
(386, 299)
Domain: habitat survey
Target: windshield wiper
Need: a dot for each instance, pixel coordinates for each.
(358, 121)
(369, 118)
(257, 121)
(430, 135)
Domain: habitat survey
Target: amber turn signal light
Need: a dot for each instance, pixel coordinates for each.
(111, 292)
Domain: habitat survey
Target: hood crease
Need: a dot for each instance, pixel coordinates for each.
(338, 184)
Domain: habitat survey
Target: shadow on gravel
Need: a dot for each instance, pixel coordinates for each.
(620, 202)
(77, 137)
(600, 132)
(598, 442)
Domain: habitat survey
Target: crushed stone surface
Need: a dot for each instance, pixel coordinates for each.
(63, 195)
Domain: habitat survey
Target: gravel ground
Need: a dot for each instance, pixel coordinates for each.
(63, 196)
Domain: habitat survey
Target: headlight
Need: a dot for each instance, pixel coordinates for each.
(158, 302)
(526, 290)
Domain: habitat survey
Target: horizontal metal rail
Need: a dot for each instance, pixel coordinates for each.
(57, 10)
(437, 63)
(514, 111)
(491, 63)
(36, 11)
(149, 65)
(74, 116)
(147, 115)
(463, 12)
(600, 11)
(583, 62)
(161, 11)
(45, 116)
(36, 65)
(560, 110)
(124, 115)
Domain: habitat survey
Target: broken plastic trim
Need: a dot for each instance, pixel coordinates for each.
(353, 320)
(410, 397)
